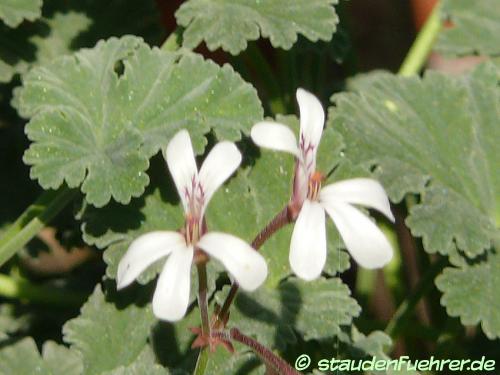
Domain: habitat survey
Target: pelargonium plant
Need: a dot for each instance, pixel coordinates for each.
(170, 169)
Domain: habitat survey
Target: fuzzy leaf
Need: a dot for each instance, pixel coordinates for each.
(13, 12)
(474, 30)
(23, 358)
(108, 335)
(471, 293)
(231, 24)
(242, 361)
(68, 26)
(98, 116)
(435, 136)
(144, 364)
(272, 315)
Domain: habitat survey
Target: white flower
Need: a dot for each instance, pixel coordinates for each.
(246, 266)
(364, 241)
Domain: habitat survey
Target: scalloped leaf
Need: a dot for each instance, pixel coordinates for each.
(13, 12)
(144, 364)
(68, 26)
(471, 293)
(274, 314)
(435, 136)
(230, 24)
(242, 361)
(98, 116)
(109, 335)
(49, 37)
(23, 358)
(475, 29)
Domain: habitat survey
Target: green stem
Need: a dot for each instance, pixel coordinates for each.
(202, 299)
(406, 307)
(202, 362)
(422, 46)
(33, 219)
(174, 41)
(22, 289)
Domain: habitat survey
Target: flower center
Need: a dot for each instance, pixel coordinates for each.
(192, 230)
(314, 186)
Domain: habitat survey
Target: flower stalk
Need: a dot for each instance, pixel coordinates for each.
(202, 298)
(422, 46)
(284, 217)
(33, 219)
(271, 360)
(22, 289)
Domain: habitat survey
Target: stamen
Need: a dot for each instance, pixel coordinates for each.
(314, 185)
(192, 229)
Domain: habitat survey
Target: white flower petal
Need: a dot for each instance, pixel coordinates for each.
(300, 182)
(181, 163)
(308, 245)
(275, 136)
(171, 297)
(312, 117)
(363, 191)
(244, 263)
(144, 251)
(220, 163)
(364, 240)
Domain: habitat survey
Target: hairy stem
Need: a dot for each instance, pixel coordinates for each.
(202, 298)
(202, 361)
(266, 355)
(33, 219)
(279, 221)
(406, 307)
(22, 289)
(422, 46)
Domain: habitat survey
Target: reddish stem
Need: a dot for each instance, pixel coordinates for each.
(266, 355)
(284, 217)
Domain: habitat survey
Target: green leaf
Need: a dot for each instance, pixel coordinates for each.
(144, 364)
(61, 360)
(376, 344)
(22, 358)
(434, 136)
(69, 26)
(11, 321)
(471, 293)
(13, 12)
(98, 116)
(242, 361)
(108, 335)
(315, 310)
(474, 30)
(231, 24)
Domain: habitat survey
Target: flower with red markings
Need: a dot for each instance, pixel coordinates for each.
(171, 297)
(363, 239)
